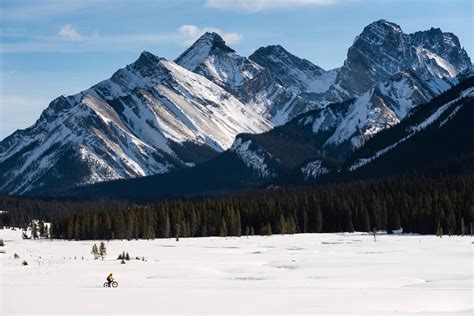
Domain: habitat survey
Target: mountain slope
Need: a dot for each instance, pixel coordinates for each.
(438, 133)
(151, 117)
(334, 132)
(436, 136)
(382, 49)
(251, 83)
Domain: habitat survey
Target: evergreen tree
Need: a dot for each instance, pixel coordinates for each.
(319, 220)
(177, 232)
(266, 230)
(282, 225)
(439, 230)
(167, 229)
(34, 230)
(223, 228)
(42, 229)
(348, 226)
(95, 252)
(365, 221)
(252, 231)
(238, 224)
(291, 225)
(102, 250)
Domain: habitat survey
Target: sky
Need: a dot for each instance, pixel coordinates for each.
(53, 47)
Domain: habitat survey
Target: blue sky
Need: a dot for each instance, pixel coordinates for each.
(54, 47)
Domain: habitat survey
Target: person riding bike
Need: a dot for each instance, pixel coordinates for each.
(110, 279)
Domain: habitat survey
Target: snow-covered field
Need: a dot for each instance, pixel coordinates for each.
(323, 274)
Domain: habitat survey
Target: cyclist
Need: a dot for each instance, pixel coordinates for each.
(110, 279)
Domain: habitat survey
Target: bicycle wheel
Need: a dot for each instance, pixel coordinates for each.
(114, 284)
(106, 284)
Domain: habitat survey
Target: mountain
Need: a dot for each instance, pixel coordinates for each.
(437, 138)
(298, 75)
(251, 83)
(383, 49)
(280, 85)
(437, 135)
(150, 117)
(157, 116)
(334, 132)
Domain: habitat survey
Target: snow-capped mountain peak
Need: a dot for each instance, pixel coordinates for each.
(150, 117)
(299, 75)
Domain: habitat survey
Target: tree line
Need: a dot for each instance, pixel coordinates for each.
(418, 205)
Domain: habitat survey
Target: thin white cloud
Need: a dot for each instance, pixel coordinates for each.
(190, 33)
(253, 6)
(70, 33)
(69, 40)
(73, 42)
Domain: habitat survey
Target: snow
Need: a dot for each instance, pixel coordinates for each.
(314, 169)
(156, 100)
(253, 159)
(413, 130)
(307, 274)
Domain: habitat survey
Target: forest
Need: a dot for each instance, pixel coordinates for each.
(417, 205)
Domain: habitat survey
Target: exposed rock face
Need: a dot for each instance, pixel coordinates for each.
(150, 117)
(382, 49)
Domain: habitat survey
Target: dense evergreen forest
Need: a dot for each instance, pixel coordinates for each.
(20, 211)
(419, 205)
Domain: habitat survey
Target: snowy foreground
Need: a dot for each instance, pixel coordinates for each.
(324, 274)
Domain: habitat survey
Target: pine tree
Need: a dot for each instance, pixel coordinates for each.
(292, 229)
(266, 230)
(167, 229)
(282, 225)
(34, 230)
(252, 231)
(319, 219)
(223, 228)
(451, 223)
(150, 232)
(102, 250)
(95, 252)
(348, 226)
(439, 230)
(238, 224)
(177, 229)
(43, 231)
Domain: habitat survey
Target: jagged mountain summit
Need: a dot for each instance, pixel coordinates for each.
(298, 75)
(150, 117)
(382, 49)
(251, 83)
(281, 86)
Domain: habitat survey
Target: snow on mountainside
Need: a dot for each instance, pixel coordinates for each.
(382, 49)
(348, 126)
(251, 83)
(335, 131)
(299, 75)
(436, 117)
(155, 115)
(151, 117)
